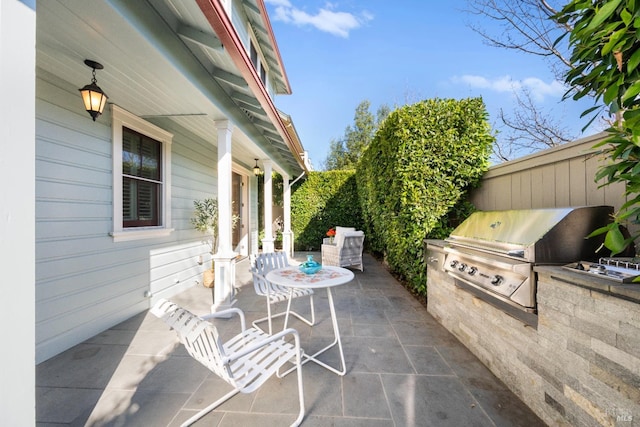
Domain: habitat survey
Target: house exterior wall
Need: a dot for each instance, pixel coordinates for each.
(86, 282)
(239, 21)
(17, 212)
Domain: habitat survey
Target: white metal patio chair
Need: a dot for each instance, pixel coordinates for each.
(246, 361)
(263, 263)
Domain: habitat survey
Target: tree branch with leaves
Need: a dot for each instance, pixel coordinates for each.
(606, 55)
(526, 26)
(345, 153)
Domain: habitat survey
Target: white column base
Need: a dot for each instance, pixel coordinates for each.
(225, 279)
(267, 245)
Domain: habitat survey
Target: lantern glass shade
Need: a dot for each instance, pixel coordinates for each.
(94, 99)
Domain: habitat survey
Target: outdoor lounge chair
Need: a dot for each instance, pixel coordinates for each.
(263, 263)
(346, 251)
(246, 361)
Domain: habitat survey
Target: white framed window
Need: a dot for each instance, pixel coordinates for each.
(141, 178)
(257, 59)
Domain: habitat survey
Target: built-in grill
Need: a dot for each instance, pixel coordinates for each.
(494, 252)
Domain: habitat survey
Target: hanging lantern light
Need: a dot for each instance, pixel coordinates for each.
(93, 97)
(256, 169)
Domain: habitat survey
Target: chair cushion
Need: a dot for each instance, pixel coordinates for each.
(350, 234)
(339, 238)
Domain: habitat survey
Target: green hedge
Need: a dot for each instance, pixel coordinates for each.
(415, 172)
(322, 201)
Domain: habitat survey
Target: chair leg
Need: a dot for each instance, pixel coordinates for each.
(313, 311)
(286, 313)
(309, 322)
(210, 408)
(267, 318)
(297, 367)
(300, 390)
(270, 318)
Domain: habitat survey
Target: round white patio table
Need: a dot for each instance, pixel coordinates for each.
(327, 278)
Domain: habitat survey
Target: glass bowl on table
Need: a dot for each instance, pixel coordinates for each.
(310, 266)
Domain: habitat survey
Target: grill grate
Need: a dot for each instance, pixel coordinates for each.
(628, 263)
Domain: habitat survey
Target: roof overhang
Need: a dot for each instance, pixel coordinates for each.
(165, 60)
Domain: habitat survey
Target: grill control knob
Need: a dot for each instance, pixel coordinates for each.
(453, 263)
(497, 279)
(472, 271)
(462, 267)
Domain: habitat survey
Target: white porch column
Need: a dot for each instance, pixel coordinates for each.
(18, 212)
(224, 258)
(287, 241)
(267, 242)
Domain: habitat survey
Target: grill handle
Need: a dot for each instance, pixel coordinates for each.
(517, 253)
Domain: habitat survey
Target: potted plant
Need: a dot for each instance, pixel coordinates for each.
(205, 220)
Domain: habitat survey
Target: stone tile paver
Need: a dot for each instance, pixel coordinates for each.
(403, 369)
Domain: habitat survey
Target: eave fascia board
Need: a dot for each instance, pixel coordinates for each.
(291, 129)
(221, 24)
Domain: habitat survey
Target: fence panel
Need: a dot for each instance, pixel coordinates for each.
(562, 176)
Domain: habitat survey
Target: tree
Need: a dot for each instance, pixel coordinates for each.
(528, 129)
(606, 57)
(337, 155)
(358, 136)
(344, 153)
(527, 26)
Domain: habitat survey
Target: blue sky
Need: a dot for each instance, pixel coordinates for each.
(337, 54)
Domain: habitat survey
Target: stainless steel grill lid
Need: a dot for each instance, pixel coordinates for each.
(555, 235)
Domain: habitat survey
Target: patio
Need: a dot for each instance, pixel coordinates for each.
(403, 369)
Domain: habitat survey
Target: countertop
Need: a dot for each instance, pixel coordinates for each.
(628, 291)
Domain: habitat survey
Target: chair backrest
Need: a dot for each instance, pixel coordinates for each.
(352, 244)
(263, 263)
(340, 233)
(199, 337)
(345, 234)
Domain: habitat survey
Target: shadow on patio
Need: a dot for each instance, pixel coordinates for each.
(403, 369)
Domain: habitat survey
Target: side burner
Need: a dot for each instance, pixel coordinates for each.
(621, 270)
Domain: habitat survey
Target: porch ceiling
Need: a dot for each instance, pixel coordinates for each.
(162, 60)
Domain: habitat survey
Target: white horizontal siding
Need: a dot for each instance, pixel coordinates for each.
(239, 20)
(177, 266)
(85, 282)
